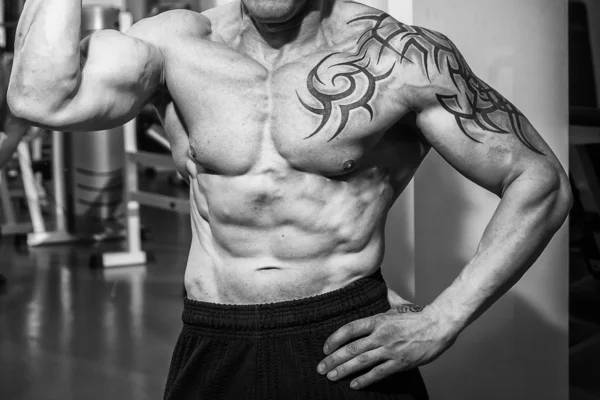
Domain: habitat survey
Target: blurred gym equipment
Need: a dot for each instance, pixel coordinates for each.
(584, 147)
(98, 198)
(584, 133)
(97, 158)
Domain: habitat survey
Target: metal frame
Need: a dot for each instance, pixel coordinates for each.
(30, 193)
(61, 234)
(134, 255)
(10, 225)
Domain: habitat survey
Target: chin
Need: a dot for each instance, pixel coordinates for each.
(273, 11)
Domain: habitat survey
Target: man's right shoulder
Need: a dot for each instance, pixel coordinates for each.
(171, 25)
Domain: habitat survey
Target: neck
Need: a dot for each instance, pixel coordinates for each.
(303, 27)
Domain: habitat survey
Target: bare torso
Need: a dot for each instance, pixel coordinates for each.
(294, 160)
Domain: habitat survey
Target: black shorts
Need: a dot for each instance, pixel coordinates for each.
(271, 351)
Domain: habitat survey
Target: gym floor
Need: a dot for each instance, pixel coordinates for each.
(69, 332)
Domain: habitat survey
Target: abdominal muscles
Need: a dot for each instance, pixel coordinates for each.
(281, 235)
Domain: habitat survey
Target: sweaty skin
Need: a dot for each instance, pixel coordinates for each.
(297, 125)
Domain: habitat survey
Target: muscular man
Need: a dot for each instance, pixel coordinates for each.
(298, 123)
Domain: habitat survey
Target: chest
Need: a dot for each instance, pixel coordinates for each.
(324, 112)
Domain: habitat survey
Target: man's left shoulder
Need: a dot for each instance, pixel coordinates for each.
(367, 25)
(360, 17)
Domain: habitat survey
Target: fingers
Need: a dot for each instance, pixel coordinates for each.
(376, 374)
(358, 363)
(349, 352)
(355, 329)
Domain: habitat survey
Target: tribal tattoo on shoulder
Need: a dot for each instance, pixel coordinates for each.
(474, 103)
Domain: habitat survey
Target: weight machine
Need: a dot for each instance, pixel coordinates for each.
(38, 233)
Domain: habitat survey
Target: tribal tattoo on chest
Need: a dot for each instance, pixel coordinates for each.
(473, 101)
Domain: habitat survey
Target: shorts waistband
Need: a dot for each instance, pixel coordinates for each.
(357, 298)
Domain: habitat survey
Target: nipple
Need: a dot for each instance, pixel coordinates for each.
(348, 165)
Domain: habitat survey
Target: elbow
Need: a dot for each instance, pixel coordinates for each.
(29, 109)
(26, 111)
(548, 191)
(35, 102)
(17, 104)
(21, 101)
(561, 196)
(566, 196)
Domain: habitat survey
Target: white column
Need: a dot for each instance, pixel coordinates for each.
(110, 3)
(399, 262)
(519, 348)
(398, 265)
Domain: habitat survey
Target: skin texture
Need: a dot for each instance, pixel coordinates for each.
(297, 129)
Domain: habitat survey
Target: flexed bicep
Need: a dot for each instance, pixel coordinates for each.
(111, 77)
(119, 75)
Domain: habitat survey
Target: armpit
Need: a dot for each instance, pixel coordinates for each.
(161, 96)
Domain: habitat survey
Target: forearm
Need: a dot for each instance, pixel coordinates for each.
(530, 213)
(15, 129)
(47, 53)
(8, 146)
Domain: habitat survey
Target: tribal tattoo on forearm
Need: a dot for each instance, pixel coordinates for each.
(474, 103)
